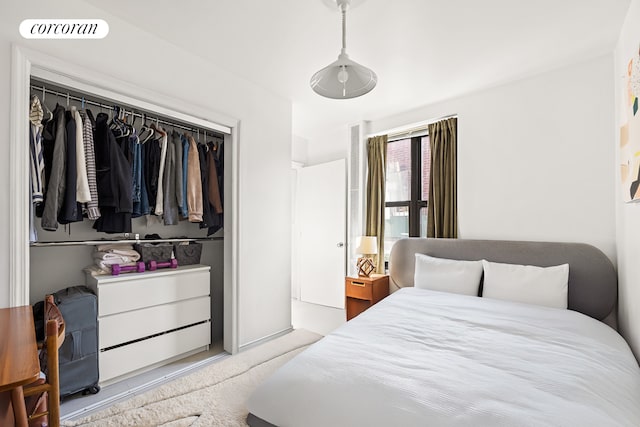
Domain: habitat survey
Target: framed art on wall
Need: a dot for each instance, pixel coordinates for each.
(630, 132)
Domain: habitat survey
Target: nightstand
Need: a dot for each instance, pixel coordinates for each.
(362, 292)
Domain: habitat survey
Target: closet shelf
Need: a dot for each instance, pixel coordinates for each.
(152, 117)
(124, 241)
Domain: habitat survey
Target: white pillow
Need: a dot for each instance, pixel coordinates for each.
(447, 275)
(547, 286)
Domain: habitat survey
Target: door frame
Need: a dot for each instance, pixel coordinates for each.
(295, 293)
(26, 62)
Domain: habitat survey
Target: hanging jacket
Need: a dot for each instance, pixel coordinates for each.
(136, 152)
(185, 167)
(114, 181)
(92, 208)
(54, 196)
(220, 169)
(144, 208)
(83, 194)
(71, 210)
(194, 184)
(207, 217)
(217, 157)
(151, 171)
(214, 189)
(36, 151)
(163, 157)
(177, 145)
(170, 204)
(48, 145)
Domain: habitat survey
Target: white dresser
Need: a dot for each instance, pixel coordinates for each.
(145, 319)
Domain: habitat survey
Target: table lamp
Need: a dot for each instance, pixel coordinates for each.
(368, 246)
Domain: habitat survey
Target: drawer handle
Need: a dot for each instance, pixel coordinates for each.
(361, 284)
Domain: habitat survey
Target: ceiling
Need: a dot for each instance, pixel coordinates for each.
(423, 51)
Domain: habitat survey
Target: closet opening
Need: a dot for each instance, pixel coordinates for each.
(187, 300)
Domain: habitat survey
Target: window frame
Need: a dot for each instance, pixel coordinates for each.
(415, 203)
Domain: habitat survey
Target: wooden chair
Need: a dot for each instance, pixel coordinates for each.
(54, 337)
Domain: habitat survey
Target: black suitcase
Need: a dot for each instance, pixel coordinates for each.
(78, 356)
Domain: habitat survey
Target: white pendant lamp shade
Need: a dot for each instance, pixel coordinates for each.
(344, 78)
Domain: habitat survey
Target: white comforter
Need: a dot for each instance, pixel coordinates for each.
(422, 358)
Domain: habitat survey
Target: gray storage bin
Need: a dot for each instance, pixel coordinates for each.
(188, 254)
(158, 252)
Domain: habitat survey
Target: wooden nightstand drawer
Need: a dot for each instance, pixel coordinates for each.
(363, 292)
(359, 289)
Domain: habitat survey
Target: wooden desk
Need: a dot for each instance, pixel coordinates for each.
(19, 363)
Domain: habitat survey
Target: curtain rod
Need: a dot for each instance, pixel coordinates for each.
(132, 112)
(407, 133)
(394, 133)
(124, 241)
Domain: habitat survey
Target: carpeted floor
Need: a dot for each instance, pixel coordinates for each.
(212, 396)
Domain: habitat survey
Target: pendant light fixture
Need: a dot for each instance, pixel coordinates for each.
(344, 78)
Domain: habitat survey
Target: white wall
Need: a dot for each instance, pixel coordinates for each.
(628, 214)
(534, 156)
(329, 146)
(265, 143)
(299, 149)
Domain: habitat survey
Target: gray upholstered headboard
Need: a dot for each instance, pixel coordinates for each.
(593, 283)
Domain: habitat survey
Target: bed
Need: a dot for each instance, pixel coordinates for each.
(426, 357)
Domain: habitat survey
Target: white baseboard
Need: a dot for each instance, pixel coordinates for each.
(259, 341)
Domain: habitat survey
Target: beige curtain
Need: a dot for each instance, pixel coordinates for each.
(377, 163)
(442, 219)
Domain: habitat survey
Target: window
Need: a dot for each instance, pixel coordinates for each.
(407, 190)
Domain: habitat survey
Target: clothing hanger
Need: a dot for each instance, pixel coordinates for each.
(213, 143)
(145, 128)
(113, 123)
(123, 123)
(132, 133)
(157, 128)
(44, 95)
(117, 125)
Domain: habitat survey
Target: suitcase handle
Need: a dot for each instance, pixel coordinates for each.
(76, 336)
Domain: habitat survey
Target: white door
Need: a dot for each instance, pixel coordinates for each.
(321, 231)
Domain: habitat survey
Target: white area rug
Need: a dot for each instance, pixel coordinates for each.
(212, 396)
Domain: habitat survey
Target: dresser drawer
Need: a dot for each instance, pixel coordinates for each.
(359, 289)
(139, 355)
(132, 325)
(133, 291)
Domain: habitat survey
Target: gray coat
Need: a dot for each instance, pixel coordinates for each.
(177, 142)
(170, 206)
(56, 186)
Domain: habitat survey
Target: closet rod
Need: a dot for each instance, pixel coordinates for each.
(110, 107)
(125, 241)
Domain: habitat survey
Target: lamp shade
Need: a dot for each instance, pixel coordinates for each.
(343, 79)
(368, 245)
